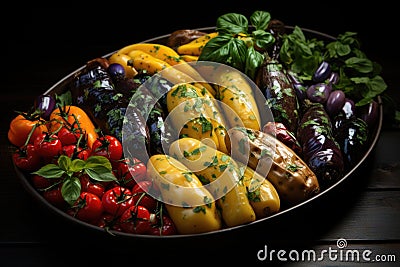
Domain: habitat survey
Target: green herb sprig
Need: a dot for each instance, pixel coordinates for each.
(236, 42)
(359, 76)
(97, 167)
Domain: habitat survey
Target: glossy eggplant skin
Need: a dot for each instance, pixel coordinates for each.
(320, 150)
(106, 102)
(159, 87)
(150, 107)
(352, 135)
(45, 104)
(136, 135)
(279, 92)
(94, 91)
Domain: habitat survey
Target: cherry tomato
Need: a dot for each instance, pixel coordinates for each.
(130, 171)
(107, 146)
(109, 221)
(117, 199)
(141, 196)
(68, 150)
(88, 207)
(136, 220)
(75, 152)
(83, 153)
(67, 137)
(91, 186)
(41, 183)
(54, 197)
(48, 145)
(164, 226)
(26, 158)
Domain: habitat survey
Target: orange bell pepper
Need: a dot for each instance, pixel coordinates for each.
(23, 127)
(74, 116)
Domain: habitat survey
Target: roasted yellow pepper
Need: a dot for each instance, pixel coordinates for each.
(237, 94)
(191, 207)
(195, 111)
(162, 52)
(220, 174)
(143, 61)
(195, 47)
(262, 194)
(189, 58)
(155, 55)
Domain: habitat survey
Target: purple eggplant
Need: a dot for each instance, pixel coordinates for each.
(319, 92)
(333, 78)
(352, 137)
(94, 91)
(116, 71)
(369, 113)
(322, 73)
(320, 150)
(277, 28)
(45, 104)
(279, 92)
(152, 111)
(109, 101)
(136, 136)
(335, 102)
(349, 108)
(299, 86)
(159, 87)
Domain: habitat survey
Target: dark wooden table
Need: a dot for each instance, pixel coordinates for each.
(363, 211)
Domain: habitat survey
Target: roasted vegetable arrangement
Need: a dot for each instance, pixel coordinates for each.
(150, 141)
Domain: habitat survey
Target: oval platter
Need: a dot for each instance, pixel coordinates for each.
(60, 88)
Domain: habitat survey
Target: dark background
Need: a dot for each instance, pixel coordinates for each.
(42, 45)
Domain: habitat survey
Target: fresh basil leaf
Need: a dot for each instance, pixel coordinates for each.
(306, 64)
(358, 53)
(285, 53)
(348, 38)
(361, 65)
(254, 59)
(100, 173)
(225, 49)
(297, 35)
(337, 49)
(64, 99)
(232, 23)
(237, 56)
(375, 86)
(360, 80)
(300, 55)
(260, 19)
(64, 162)
(94, 161)
(50, 171)
(263, 39)
(77, 165)
(71, 189)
